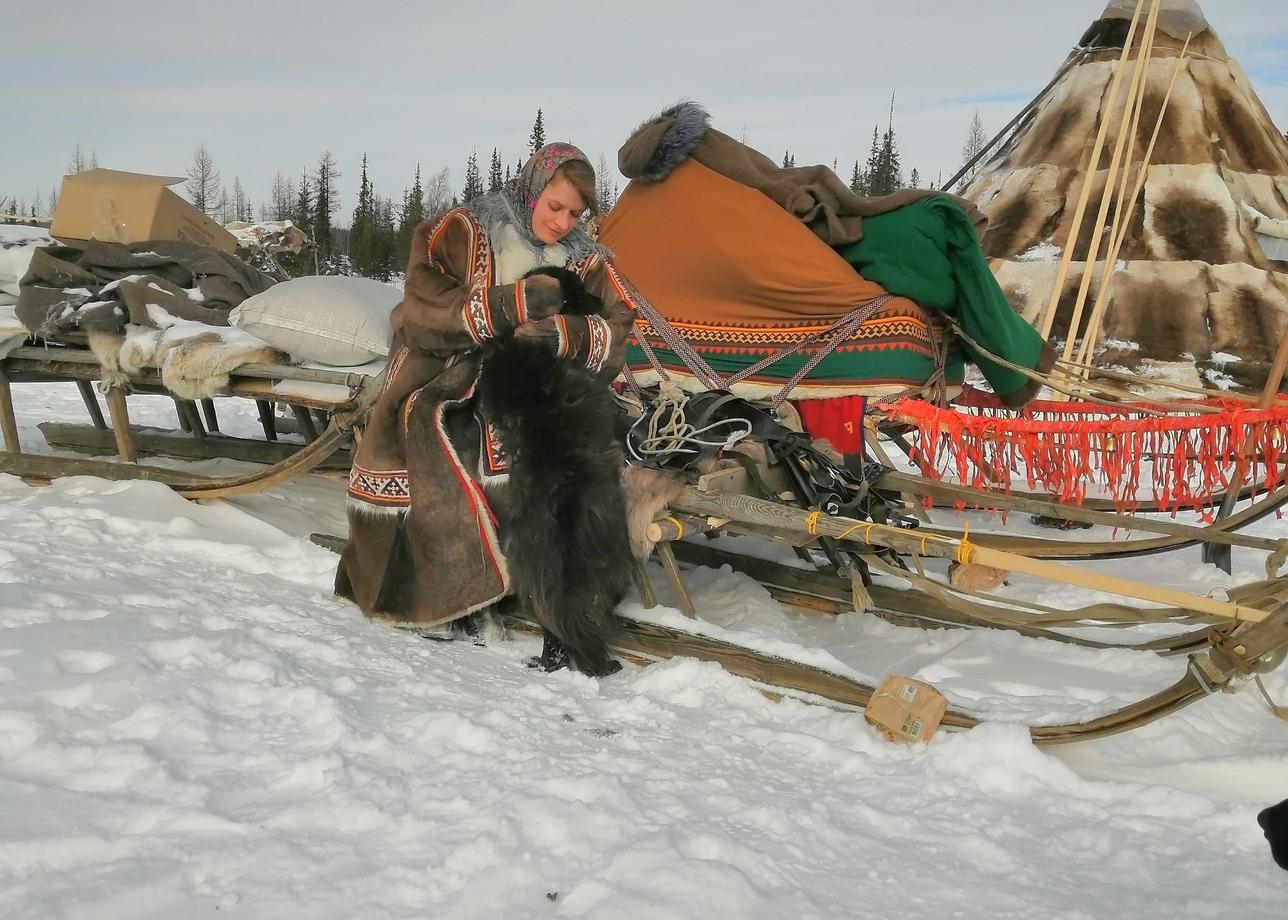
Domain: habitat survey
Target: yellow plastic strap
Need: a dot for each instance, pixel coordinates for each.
(965, 548)
(811, 523)
(679, 527)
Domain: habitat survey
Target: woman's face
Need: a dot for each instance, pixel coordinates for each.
(557, 210)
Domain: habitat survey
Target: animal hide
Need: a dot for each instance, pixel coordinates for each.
(648, 493)
(194, 360)
(565, 524)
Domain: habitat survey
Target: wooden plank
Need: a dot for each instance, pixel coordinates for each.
(8, 420)
(192, 417)
(211, 417)
(900, 606)
(185, 447)
(741, 507)
(266, 420)
(675, 579)
(260, 371)
(944, 491)
(648, 597)
(305, 421)
(181, 415)
(35, 466)
(121, 425)
(91, 403)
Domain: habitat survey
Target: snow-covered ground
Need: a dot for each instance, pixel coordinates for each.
(192, 725)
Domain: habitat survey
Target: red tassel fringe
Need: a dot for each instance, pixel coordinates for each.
(1064, 449)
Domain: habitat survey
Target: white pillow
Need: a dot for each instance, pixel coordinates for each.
(329, 319)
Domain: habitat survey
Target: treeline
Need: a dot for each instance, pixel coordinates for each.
(378, 236)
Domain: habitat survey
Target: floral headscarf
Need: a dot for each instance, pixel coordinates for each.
(527, 187)
(516, 203)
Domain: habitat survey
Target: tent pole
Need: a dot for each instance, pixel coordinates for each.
(1048, 319)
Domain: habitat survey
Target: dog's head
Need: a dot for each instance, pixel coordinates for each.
(577, 300)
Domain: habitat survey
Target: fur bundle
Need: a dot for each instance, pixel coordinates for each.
(565, 528)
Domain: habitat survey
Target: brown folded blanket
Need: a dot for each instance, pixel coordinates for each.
(103, 286)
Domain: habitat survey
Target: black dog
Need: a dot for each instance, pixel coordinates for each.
(565, 532)
(1274, 821)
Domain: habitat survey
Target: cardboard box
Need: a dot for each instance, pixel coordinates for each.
(121, 207)
(905, 709)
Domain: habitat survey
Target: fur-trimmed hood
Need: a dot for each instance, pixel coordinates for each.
(663, 142)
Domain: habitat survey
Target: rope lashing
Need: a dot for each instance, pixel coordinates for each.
(830, 338)
(664, 433)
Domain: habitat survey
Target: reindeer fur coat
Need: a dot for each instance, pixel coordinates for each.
(429, 482)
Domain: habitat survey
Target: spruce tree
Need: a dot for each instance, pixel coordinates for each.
(413, 212)
(386, 255)
(494, 174)
(885, 172)
(537, 140)
(325, 201)
(473, 181)
(362, 243)
(891, 169)
(859, 180)
(914, 181)
(872, 170)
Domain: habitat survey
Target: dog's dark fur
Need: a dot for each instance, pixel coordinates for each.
(1274, 821)
(565, 533)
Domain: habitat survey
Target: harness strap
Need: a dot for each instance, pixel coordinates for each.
(834, 335)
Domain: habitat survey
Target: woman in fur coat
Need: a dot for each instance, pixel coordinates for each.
(434, 487)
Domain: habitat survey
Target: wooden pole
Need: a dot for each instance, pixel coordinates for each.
(8, 420)
(1140, 85)
(1111, 263)
(121, 425)
(1093, 165)
(771, 514)
(673, 577)
(86, 390)
(1098, 227)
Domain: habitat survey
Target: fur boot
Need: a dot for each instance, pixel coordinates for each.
(565, 529)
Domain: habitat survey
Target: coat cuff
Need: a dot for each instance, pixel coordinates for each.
(493, 312)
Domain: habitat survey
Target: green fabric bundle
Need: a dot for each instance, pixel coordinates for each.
(927, 251)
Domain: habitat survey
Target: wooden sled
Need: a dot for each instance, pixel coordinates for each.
(324, 418)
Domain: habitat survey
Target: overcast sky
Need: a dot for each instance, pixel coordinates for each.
(267, 86)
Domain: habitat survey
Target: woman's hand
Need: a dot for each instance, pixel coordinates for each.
(543, 296)
(585, 340)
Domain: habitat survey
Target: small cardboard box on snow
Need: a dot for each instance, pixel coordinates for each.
(122, 207)
(905, 709)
